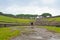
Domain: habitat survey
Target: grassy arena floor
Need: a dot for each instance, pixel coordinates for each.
(6, 33)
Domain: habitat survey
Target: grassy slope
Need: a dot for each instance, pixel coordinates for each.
(54, 19)
(9, 19)
(13, 20)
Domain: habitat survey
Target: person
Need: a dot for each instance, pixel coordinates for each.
(32, 25)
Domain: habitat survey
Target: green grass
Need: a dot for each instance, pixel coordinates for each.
(54, 19)
(14, 20)
(7, 33)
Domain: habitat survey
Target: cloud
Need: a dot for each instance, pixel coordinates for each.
(31, 10)
(31, 7)
(48, 1)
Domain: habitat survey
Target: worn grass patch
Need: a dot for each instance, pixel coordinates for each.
(51, 28)
(26, 30)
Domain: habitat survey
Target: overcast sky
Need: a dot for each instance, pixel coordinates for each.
(30, 6)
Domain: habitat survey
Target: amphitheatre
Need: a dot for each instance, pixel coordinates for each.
(38, 28)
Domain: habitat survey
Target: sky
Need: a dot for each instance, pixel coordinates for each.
(30, 7)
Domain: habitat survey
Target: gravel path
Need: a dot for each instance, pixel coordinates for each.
(39, 34)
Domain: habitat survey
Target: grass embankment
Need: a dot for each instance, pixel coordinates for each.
(14, 20)
(6, 33)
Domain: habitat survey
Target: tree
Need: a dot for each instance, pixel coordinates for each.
(46, 15)
(27, 16)
(1, 13)
(9, 15)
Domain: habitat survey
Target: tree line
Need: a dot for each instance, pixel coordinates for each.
(26, 16)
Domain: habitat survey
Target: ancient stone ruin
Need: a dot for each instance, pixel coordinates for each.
(41, 21)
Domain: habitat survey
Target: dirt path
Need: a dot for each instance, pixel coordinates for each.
(39, 34)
